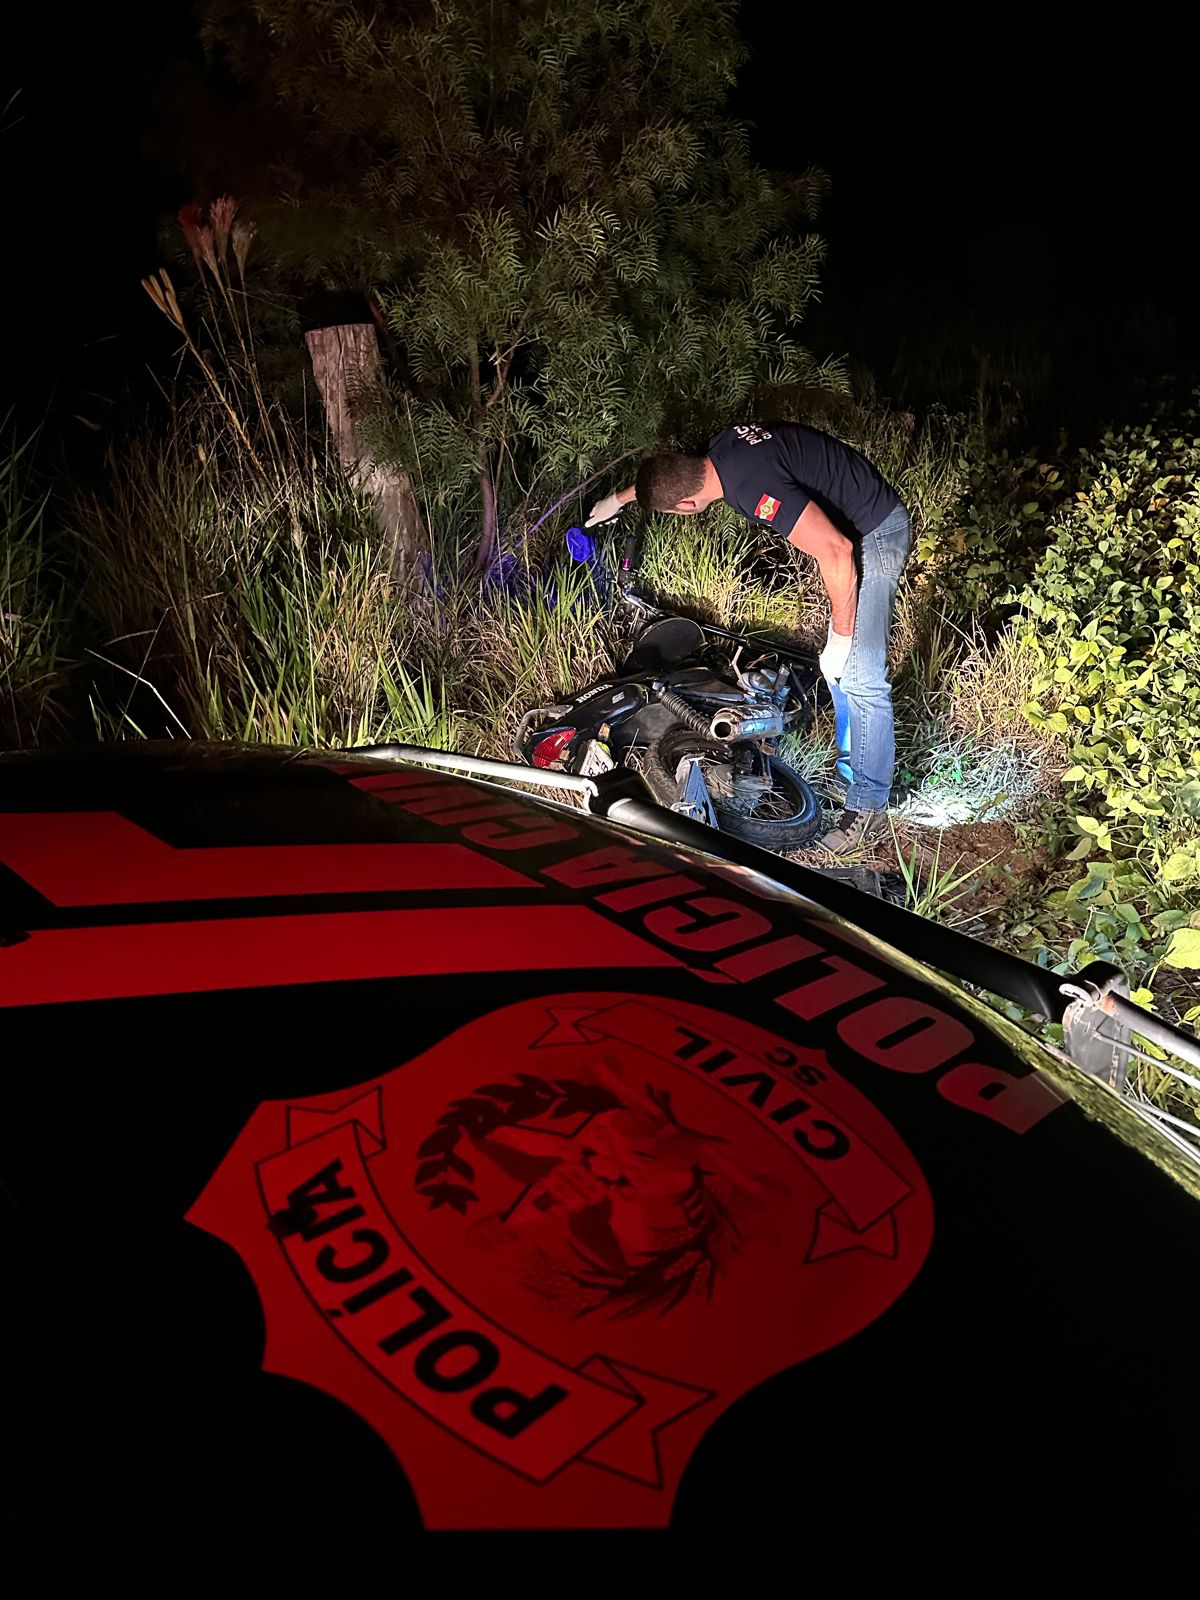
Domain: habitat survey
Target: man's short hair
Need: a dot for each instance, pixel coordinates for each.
(664, 480)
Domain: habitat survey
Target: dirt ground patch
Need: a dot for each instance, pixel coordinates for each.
(991, 864)
(985, 865)
(975, 847)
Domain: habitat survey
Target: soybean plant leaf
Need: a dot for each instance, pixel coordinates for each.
(1184, 948)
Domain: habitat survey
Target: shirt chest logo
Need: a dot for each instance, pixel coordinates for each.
(766, 508)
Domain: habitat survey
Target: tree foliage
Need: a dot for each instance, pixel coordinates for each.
(573, 250)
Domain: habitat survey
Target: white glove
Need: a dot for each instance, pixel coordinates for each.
(836, 653)
(604, 511)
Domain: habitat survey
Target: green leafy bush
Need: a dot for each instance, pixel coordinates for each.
(975, 555)
(1111, 616)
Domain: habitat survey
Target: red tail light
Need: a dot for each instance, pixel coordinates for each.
(550, 750)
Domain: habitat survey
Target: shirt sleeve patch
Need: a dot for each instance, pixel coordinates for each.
(766, 508)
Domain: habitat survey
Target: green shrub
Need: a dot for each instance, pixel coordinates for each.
(570, 245)
(974, 554)
(1111, 617)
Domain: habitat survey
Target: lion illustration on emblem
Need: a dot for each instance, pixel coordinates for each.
(618, 1206)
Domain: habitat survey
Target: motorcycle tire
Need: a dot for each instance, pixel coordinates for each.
(798, 818)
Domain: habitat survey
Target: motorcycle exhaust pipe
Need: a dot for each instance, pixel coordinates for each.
(730, 726)
(725, 726)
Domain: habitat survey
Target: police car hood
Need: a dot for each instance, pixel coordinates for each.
(397, 1156)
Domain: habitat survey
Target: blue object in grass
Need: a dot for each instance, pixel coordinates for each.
(580, 545)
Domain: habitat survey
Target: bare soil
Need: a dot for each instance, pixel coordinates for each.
(995, 858)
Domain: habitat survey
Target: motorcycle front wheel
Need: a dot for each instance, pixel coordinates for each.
(783, 815)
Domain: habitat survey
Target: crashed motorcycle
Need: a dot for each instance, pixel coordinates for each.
(698, 712)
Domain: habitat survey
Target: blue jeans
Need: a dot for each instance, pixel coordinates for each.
(864, 696)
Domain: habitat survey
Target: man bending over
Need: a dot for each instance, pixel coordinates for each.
(830, 502)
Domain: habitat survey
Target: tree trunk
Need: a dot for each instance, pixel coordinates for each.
(348, 373)
(488, 526)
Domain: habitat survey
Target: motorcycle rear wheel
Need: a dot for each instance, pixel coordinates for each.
(785, 817)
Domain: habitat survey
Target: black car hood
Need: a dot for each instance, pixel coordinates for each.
(396, 1168)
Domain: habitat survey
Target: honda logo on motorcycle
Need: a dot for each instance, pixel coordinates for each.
(541, 1258)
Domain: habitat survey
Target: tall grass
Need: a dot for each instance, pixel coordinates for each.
(228, 599)
(234, 586)
(719, 568)
(34, 621)
(927, 459)
(964, 754)
(234, 590)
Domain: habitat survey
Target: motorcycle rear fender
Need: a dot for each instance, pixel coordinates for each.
(609, 702)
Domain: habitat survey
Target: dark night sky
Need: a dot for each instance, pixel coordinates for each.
(1038, 176)
(1034, 176)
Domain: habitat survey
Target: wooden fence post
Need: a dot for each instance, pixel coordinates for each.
(348, 371)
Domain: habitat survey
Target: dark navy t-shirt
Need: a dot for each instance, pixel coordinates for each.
(770, 471)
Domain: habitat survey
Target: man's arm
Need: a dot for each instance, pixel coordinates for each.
(834, 554)
(611, 506)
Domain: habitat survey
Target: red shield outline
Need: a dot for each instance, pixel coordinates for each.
(542, 1257)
